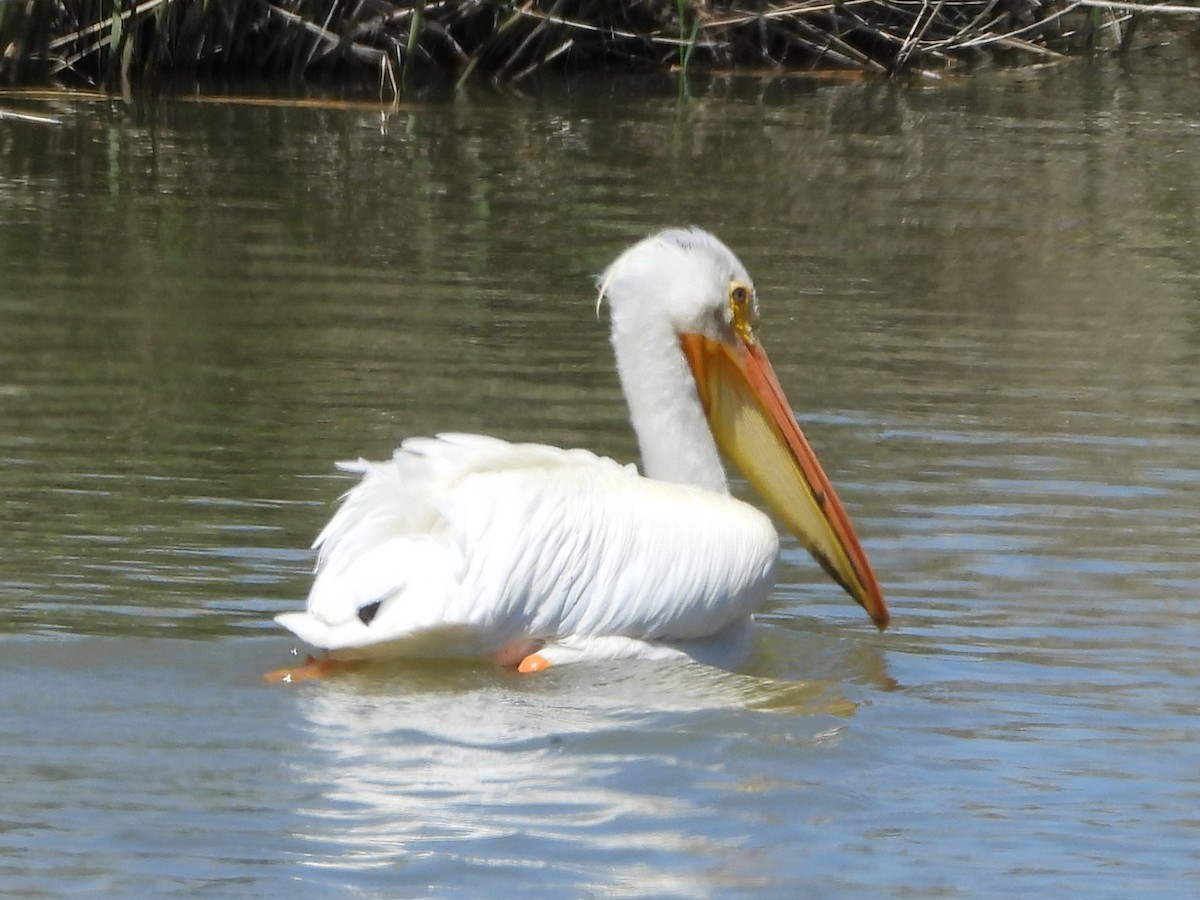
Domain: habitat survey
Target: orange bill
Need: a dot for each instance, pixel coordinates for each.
(754, 427)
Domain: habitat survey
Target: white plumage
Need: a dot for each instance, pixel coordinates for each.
(572, 545)
(465, 545)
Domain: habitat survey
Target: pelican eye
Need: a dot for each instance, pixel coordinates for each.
(741, 306)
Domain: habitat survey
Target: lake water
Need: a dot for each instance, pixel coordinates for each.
(982, 295)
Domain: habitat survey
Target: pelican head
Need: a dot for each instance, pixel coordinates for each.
(684, 313)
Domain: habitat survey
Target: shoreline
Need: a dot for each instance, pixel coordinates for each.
(84, 43)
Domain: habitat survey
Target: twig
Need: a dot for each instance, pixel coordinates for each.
(914, 36)
(1141, 8)
(106, 24)
(13, 115)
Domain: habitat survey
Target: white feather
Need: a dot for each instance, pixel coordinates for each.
(470, 544)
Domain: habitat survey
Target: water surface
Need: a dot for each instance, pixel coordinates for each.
(983, 299)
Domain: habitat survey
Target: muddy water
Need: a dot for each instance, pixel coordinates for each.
(983, 299)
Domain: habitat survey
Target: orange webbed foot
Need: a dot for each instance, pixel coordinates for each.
(534, 662)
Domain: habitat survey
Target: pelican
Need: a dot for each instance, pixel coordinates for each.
(465, 545)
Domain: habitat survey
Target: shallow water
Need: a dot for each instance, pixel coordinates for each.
(983, 298)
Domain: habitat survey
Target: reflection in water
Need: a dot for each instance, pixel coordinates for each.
(502, 772)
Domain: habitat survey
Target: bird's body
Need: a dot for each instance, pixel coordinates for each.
(631, 557)
(464, 545)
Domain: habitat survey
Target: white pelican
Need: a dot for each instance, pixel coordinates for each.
(463, 545)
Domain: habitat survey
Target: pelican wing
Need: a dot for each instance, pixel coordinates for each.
(465, 545)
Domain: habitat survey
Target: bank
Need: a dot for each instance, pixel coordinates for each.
(113, 44)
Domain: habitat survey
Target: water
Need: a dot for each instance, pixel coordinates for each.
(983, 298)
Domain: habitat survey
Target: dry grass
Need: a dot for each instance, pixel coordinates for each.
(111, 43)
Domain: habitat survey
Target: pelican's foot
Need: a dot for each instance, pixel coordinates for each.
(534, 662)
(310, 669)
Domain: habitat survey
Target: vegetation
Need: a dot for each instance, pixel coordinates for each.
(112, 43)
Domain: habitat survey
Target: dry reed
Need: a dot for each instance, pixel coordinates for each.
(107, 43)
